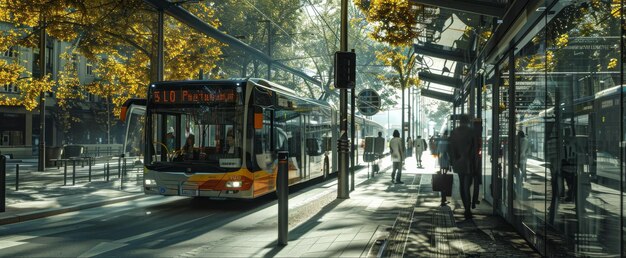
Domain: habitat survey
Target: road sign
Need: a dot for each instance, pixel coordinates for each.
(368, 102)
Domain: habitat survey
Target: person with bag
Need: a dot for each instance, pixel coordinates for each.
(420, 147)
(462, 151)
(444, 163)
(396, 148)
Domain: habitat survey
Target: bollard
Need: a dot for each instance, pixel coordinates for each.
(124, 165)
(122, 180)
(104, 171)
(107, 171)
(119, 166)
(73, 172)
(3, 181)
(64, 172)
(282, 190)
(90, 170)
(17, 177)
(326, 166)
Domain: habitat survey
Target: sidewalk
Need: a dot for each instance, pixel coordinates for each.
(43, 194)
(380, 219)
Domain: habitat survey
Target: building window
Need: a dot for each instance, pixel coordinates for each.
(11, 52)
(10, 87)
(89, 69)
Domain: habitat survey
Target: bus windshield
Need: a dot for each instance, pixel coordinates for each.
(203, 137)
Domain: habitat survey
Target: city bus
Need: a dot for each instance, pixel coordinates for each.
(220, 138)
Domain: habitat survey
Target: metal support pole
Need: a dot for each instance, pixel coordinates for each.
(108, 171)
(119, 167)
(282, 191)
(41, 161)
(17, 177)
(352, 134)
(73, 172)
(160, 43)
(495, 143)
(65, 172)
(402, 121)
(409, 131)
(122, 181)
(89, 169)
(343, 144)
(3, 183)
(269, 50)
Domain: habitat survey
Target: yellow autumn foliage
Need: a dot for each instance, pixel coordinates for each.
(117, 38)
(394, 21)
(402, 65)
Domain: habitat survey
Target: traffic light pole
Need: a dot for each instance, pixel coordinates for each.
(343, 144)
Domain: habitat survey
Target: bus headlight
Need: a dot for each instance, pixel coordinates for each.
(150, 182)
(233, 184)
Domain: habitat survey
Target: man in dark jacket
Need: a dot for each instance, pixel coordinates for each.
(462, 150)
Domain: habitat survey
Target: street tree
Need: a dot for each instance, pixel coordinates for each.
(117, 36)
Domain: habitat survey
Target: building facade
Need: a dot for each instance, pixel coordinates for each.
(20, 130)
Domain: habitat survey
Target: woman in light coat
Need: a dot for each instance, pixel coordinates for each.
(396, 148)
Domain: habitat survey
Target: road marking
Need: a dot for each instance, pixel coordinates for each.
(104, 247)
(9, 244)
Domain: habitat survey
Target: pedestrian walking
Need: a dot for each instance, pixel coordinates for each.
(409, 147)
(442, 151)
(420, 147)
(444, 160)
(522, 157)
(396, 148)
(462, 150)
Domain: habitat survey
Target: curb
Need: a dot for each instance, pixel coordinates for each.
(56, 211)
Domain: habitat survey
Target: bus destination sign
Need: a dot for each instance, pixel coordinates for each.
(187, 96)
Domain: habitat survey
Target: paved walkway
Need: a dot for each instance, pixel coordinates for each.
(380, 219)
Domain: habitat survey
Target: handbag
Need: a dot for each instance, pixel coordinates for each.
(443, 183)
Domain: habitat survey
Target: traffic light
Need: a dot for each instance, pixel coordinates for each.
(345, 70)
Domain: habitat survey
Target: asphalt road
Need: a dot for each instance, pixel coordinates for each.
(151, 226)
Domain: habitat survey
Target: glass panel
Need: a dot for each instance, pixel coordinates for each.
(503, 125)
(212, 135)
(530, 175)
(583, 126)
(487, 149)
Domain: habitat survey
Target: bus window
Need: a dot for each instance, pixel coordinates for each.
(134, 143)
(210, 136)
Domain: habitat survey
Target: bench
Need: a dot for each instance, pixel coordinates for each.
(72, 153)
